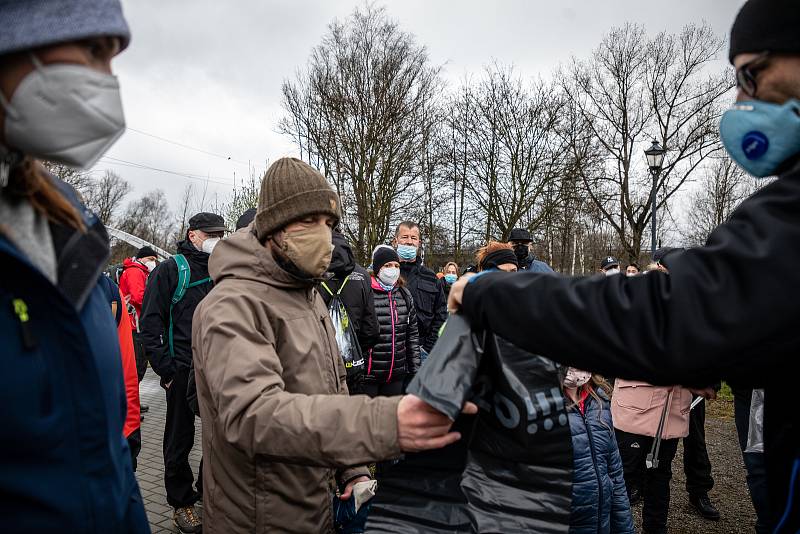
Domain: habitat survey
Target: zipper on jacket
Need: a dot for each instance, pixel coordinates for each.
(596, 472)
(392, 317)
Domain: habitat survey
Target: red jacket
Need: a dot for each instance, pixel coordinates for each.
(132, 283)
(130, 378)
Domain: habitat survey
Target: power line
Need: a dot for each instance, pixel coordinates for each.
(124, 163)
(170, 141)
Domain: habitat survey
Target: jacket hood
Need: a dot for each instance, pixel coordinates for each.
(130, 263)
(242, 256)
(342, 261)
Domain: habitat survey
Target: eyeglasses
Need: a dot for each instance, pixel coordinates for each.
(747, 73)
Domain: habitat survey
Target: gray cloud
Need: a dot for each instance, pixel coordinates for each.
(208, 73)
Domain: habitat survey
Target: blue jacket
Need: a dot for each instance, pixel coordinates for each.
(599, 499)
(64, 464)
(535, 266)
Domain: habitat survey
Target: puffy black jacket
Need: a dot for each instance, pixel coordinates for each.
(396, 354)
(727, 310)
(429, 301)
(356, 295)
(154, 322)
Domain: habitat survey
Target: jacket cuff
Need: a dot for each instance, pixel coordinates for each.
(344, 476)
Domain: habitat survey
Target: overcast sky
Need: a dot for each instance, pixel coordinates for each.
(207, 73)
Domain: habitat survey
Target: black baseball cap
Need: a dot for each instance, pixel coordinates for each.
(520, 234)
(610, 261)
(207, 222)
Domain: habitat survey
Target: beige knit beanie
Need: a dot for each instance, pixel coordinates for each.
(292, 189)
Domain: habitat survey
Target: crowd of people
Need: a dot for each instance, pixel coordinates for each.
(238, 325)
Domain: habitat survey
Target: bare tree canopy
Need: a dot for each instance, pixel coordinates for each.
(362, 113)
(722, 188)
(634, 89)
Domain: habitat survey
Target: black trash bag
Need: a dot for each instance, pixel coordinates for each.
(422, 492)
(517, 475)
(346, 339)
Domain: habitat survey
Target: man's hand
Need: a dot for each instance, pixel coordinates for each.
(421, 427)
(708, 393)
(348, 490)
(457, 293)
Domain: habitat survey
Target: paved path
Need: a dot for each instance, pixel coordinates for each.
(150, 471)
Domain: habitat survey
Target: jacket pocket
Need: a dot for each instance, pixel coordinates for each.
(426, 297)
(638, 397)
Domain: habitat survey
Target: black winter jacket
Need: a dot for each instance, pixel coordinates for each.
(356, 294)
(396, 354)
(429, 301)
(154, 323)
(727, 310)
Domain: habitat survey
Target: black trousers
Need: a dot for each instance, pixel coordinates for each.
(135, 445)
(383, 389)
(178, 443)
(753, 461)
(141, 357)
(696, 464)
(653, 483)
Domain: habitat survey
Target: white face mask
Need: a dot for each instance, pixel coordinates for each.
(389, 276)
(65, 113)
(151, 265)
(576, 378)
(209, 244)
(613, 271)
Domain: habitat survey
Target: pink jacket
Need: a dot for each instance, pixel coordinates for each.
(636, 408)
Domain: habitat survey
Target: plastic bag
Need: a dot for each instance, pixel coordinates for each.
(346, 338)
(519, 469)
(514, 463)
(350, 516)
(755, 430)
(422, 493)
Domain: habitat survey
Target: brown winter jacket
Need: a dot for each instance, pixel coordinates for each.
(277, 421)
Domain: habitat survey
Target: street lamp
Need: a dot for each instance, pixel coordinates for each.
(655, 159)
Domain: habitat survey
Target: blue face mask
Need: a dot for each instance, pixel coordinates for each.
(451, 278)
(761, 136)
(407, 252)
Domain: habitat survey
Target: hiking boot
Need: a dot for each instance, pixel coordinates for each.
(187, 520)
(704, 507)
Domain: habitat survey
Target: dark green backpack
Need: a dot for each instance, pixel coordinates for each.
(184, 275)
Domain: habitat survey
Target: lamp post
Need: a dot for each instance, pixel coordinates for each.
(655, 159)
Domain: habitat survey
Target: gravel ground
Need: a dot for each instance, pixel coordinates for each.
(729, 495)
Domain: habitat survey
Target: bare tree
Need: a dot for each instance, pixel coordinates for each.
(81, 181)
(722, 188)
(362, 113)
(149, 218)
(105, 195)
(634, 89)
(514, 151)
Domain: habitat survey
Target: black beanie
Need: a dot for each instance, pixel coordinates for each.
(382, 256)
(145, 252)
(766, 26)
(245, 218)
